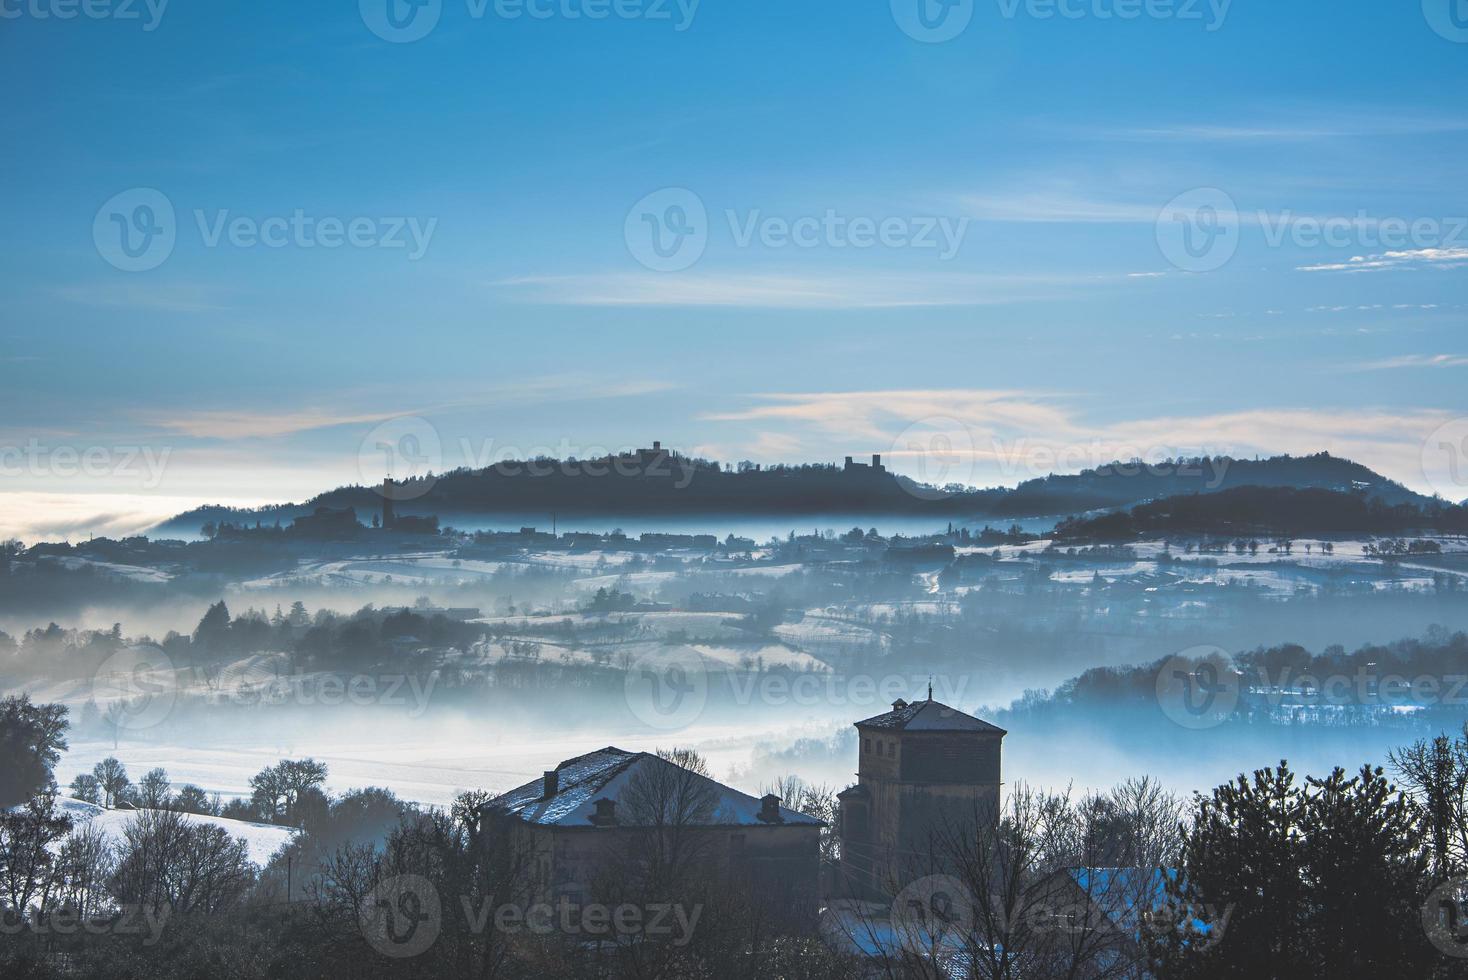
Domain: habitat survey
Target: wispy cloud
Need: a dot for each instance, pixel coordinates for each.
(253, 424)
(1414, 361)
(1418, 258)
(1008, 436)
(1306, 126)
(248, 422)
(834, 291)
(1058, 206)
(875, 415)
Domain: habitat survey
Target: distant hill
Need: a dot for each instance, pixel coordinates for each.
(659, 482)
(1266, 511)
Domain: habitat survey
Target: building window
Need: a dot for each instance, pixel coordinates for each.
(866, 745)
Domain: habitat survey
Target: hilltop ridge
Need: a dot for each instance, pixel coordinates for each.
(664, 482)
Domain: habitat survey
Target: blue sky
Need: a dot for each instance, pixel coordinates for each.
(1062, 317)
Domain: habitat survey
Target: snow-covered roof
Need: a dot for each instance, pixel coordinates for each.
(929, 716)
(605, 775)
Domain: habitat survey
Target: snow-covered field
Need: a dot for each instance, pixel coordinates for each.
(435, 762)
(262, 840)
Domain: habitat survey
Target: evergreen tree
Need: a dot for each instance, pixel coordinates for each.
(1279, 880)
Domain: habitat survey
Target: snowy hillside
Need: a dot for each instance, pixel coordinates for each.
(263, 840)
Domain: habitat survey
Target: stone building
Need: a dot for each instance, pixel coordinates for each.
(592, 822)
(925, 770)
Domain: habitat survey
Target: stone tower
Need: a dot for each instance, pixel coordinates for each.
(925, 770)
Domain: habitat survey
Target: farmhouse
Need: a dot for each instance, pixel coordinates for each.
(600, 818)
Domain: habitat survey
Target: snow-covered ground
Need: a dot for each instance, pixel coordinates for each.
(262, 840)
(433, 763)
(138, 573)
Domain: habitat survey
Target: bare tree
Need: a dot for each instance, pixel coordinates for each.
(153, 789)
(165, 861)
(28, 866)
(817, 801)
(665, 806)
(277, 791)
(86, 861)
(1435, 774)
(1055, 887)
(111, 776)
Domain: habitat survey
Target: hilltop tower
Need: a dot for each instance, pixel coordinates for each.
(389, 516)
(924, 770)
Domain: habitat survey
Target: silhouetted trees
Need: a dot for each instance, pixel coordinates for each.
(112, 780)
(1279, 879)
(1291, 511)
(32, 738)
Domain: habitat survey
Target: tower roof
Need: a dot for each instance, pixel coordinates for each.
(929, 716)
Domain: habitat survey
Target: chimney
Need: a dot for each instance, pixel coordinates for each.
(606, 813)
(769, 809)
(551, 785)
(657, 445)
(848, 462)
(876, 461)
